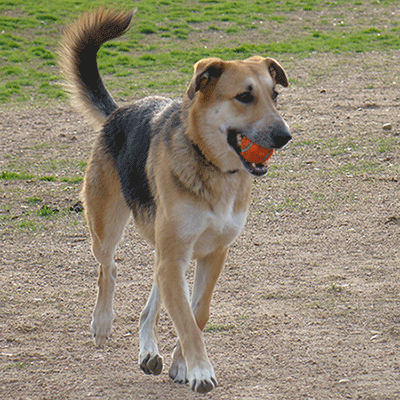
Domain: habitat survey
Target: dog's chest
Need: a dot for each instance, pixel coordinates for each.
(220, 227)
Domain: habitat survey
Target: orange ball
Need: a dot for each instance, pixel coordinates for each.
(253, 153)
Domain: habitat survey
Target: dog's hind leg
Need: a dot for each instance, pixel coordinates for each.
(149, 359)
(107, 215)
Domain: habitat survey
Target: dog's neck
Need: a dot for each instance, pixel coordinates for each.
(207, 162)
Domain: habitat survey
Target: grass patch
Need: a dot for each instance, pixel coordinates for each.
(175, 34)
(10, 176)
(48, 178)
(28, 225)
(220, 328)
(72, 180)
(34, 200)
(47, 211)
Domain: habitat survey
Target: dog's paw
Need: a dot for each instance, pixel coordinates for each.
(202, 379)
(101, 327)
(178, 371)
(151, 364)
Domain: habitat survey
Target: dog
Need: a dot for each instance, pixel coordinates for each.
(178, 167)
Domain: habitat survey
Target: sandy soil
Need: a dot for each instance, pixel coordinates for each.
(308, 305)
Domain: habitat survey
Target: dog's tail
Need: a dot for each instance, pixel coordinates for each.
(77, 57)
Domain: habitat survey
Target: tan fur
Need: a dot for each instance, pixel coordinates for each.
(72, 35)
(201, 201)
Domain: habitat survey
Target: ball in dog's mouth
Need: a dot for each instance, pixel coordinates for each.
(252, 152)
(254, 157)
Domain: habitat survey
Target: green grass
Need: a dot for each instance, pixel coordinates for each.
(28, 225)
(220, 328)
(10, 176)
(167, 37)
(47, 211)
(34, 200)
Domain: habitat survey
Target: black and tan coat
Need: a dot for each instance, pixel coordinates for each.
(176, 166)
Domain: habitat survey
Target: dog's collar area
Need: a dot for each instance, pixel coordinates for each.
(207, 162)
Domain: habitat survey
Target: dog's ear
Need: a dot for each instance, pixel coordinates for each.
(206, 74)
(277, 72)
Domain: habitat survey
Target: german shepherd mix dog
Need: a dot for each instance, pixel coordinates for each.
(179, 168)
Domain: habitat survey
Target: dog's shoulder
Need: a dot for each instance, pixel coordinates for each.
(168, 120)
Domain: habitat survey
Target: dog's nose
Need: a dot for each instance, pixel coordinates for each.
(280, 135)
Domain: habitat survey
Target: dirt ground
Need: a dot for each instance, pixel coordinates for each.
(308, 305)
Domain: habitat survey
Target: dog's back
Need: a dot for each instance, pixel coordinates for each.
(126, 136)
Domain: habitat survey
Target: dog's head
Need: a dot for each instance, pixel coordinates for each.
(235, 99)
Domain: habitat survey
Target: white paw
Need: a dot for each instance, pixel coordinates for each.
(178, 371)
(101, 327)
(151, 363)
(202, 378)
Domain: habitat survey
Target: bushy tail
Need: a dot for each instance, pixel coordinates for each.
(80, 44)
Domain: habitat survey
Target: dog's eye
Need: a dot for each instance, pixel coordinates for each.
(245, 97)
(275, 95)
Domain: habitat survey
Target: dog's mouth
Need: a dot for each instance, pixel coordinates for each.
(257, 169)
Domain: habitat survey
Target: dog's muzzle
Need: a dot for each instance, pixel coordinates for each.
(277, 136)
(281, 136)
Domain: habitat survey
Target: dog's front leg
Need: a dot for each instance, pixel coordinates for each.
(208, 270)
(150, 360)
(173, 260)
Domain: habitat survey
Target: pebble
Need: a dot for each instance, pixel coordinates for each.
(387, 126)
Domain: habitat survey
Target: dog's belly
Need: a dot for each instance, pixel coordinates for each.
(220, 231)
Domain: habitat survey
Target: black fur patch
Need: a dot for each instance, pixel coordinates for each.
(127, 135)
